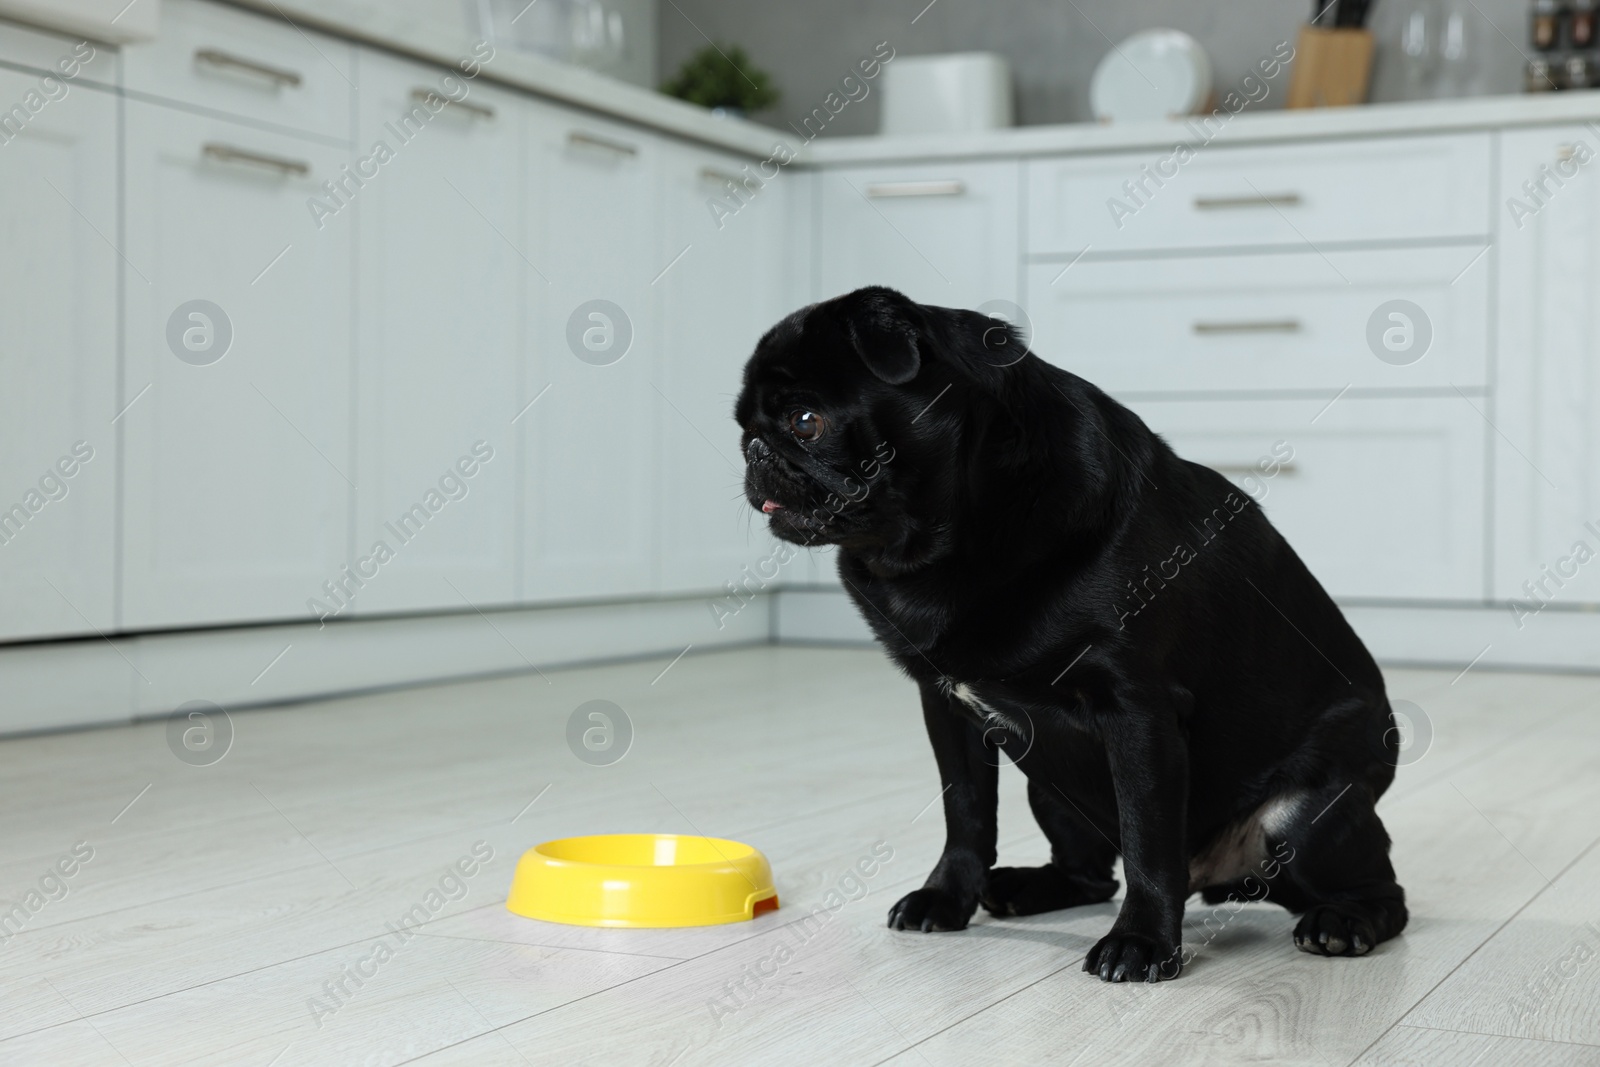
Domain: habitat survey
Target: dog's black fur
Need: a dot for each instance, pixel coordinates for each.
(1126, 625)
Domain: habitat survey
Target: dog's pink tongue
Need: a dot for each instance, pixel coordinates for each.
(770, 506)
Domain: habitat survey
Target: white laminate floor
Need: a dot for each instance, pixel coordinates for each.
(222, 904)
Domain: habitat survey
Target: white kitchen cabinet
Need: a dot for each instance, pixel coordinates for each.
(589, 516)
(58, 358)
(730, 286)
(440, 325)
(1382, 498)
(239, 480)
(943, 234)
(1547, 405)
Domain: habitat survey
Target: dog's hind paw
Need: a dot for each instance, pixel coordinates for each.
(929, 910)
(1031, 890)
(1333, 930)
(1133, 958)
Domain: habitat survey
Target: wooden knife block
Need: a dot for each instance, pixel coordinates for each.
(1331, 67)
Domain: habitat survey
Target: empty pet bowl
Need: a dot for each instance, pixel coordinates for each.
(642, 880)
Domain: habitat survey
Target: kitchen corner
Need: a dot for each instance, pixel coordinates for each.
(1218, 272)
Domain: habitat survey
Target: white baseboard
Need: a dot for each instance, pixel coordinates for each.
(1398, 635)
(62, 685)
(66, 684)
(818, 616)
(1451, 637)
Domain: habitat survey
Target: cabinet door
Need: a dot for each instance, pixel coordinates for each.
(589, 499)
(58, 359)
(1382, 498)
(1547, 453)
(941, 234)
(238, 425)
(731, 281)
(440, 343)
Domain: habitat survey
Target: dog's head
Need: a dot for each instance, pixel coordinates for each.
(859, 416)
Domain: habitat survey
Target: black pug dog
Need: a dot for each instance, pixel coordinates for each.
(1125, 625)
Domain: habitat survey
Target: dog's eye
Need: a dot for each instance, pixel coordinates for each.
(807, 425)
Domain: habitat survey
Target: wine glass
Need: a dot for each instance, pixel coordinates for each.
(1459, 59)
(596, 33)
(1419, 47)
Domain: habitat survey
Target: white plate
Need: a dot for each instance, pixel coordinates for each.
(1155, 74)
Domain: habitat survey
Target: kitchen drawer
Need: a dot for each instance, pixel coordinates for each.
(1382, 498)
(1291, 320)
(1378, 190)
(70, 59)
(942, 233)
(253, 67)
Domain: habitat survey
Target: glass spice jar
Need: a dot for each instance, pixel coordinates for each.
(1581, 23)
(1545, 31)
(1536, 76)
(1579, 72)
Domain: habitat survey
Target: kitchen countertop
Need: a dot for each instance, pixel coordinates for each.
(447, 43)
(1260, 127)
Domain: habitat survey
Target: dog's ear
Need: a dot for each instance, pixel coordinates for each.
(884, 335)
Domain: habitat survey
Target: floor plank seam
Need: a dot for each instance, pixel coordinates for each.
(558, 948)
(1478, 947)
(33, 930)
(543, 1011)
(224, 978)
(844, 805)
(973, 1015)
(1509, 1037)
(1494, 748)
(348, 944)
(619, 985)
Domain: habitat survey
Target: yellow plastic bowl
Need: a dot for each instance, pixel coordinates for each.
(642, 880)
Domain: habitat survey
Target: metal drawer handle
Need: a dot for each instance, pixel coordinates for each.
(721, 177)
(1216, 203)
(594, 141)
(223, 153)
(1251, 468)
(883, 190)
(1258, 326)
(215, 58)
(421, 95)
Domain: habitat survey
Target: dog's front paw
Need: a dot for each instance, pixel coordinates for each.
(1329, 930)
(1133, 958)
(929, 909)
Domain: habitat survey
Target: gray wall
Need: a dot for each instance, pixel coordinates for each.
(1052, 46)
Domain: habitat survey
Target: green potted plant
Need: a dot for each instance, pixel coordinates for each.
(722, 78)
